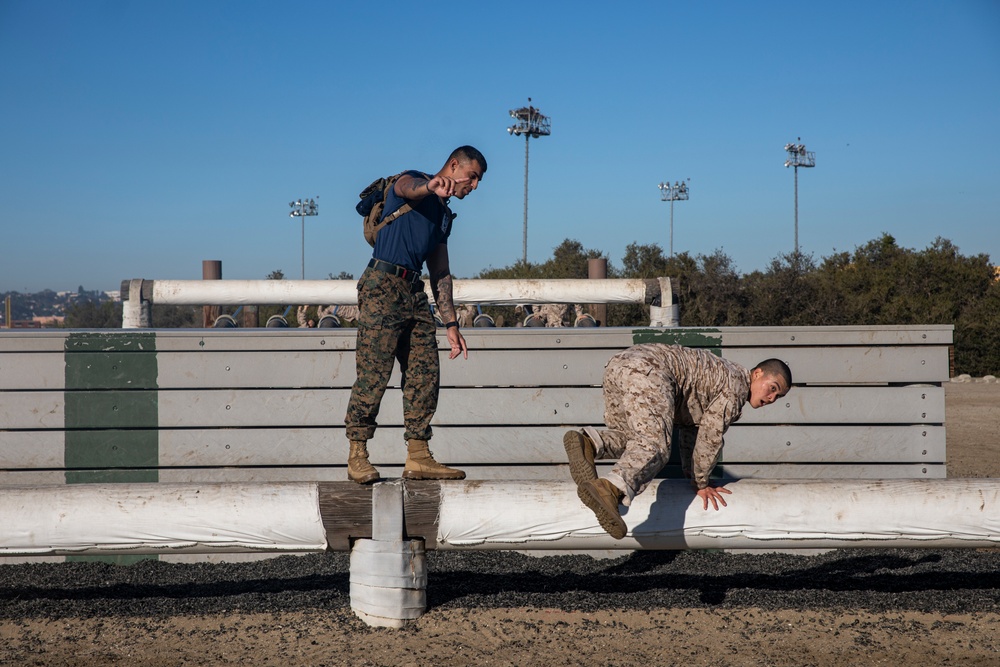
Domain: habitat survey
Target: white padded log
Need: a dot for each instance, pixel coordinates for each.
(160, 518)
(761, 514)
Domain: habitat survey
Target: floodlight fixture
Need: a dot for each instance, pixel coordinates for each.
(798, 156)
(532, 123)
(301, 208)
(679, 191)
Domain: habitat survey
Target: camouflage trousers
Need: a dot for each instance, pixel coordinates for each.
(395, 324)
(639, 402)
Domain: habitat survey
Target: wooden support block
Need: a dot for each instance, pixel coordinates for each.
(346, 511)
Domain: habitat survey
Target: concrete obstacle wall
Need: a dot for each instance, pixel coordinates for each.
(267, 405)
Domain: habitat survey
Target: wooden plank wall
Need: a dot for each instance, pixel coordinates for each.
(203, 405)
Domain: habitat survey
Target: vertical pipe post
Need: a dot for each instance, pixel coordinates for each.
(671, 225)
(597, 269)
(524, 255)
(388, 572)
(796, 209)
(137, 313)
(211, 269)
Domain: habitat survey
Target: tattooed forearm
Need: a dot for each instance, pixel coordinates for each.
(441, 286)
(413, 187)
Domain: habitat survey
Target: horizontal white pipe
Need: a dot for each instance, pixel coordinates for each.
(160, 518)
(344, 292)
(761, 514)
(255, 292)
(285, 517)
(550, 291)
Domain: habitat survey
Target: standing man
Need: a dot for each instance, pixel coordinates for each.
(395, 320)
(649, 388)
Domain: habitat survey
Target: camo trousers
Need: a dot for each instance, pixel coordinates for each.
(638, 410)
(395, 324)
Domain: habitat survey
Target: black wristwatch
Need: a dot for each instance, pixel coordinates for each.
(451, 324)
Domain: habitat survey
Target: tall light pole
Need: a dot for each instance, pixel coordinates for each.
(300, 209)
(798, 156)
(531, 123)
(677, 192)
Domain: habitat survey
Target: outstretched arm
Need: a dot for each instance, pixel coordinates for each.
(415, 188)
(441, 288)
(707, 448)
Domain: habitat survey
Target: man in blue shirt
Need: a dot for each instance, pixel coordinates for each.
(395, 320)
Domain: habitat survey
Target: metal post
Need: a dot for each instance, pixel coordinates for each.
(524, 251)
(798, 156)
(531, 123)
(671, 226)
(597, 269)
(211, 269)
(300, 209)
(679, 191)
(796, 209)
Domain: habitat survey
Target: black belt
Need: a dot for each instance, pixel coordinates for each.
(400, 271)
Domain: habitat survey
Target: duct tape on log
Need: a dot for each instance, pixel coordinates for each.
(388, 573)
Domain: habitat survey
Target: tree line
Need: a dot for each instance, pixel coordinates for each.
(879, 283)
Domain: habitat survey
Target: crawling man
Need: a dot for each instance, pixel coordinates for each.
(648, 389)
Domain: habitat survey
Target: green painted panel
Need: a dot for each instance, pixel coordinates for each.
(113, 449)
(111, 341)
(111, 409)
(710, 339)
(111, 383)
(111, 370)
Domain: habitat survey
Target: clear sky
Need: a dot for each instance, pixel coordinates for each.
(142, 137)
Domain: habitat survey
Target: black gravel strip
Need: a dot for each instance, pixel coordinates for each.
(877, 581)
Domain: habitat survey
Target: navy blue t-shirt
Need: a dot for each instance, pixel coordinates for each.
(410, 238)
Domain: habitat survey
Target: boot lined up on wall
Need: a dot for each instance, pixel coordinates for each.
(359, 468)
(420, 464)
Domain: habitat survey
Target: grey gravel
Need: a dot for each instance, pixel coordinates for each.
(878, 581)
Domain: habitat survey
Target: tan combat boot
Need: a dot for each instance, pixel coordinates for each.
(581, 452)
(603, 497)
(359, 469)
(420, 464)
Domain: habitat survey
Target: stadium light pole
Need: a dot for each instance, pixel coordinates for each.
(677, 192)
(300, 209)
(532, 124)
(798, 156)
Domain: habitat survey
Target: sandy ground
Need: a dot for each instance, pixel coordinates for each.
(795, 638)
(542, 636)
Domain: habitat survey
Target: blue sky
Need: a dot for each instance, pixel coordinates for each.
(140, 138)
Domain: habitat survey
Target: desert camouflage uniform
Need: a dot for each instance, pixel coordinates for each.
(395, 323)
(650, 388)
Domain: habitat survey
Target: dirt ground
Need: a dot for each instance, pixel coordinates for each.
(538, 636)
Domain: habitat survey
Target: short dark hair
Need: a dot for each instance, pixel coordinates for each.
(776, 367)
(468, 154)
